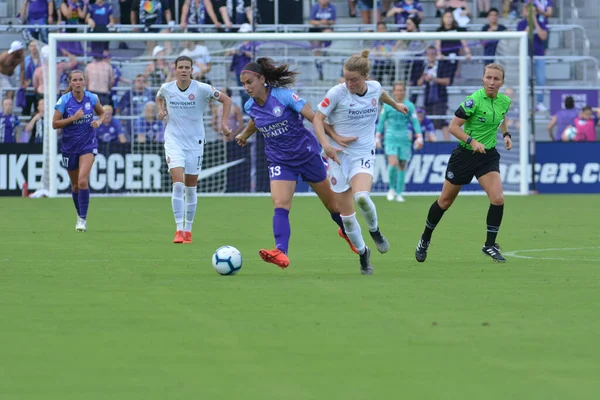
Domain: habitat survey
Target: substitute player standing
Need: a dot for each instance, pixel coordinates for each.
(183, 103)
(351, 109)
(73, 114)
(475, 124)
(398, 140)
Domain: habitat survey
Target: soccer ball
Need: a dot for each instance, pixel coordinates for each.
(227, 260)
(569, 134)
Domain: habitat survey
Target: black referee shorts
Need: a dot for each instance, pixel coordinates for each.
(464, 165)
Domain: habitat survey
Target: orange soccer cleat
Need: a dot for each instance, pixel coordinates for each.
(187, 237)
(178, 237)
(275, 256)
(347, 239)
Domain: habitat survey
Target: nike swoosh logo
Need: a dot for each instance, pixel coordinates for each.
(215, 170)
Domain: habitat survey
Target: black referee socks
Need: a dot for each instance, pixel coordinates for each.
(494, 218)
(433, 217)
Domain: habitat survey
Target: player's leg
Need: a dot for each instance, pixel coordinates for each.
(391, 152)
(193, 165)
(314, 172)
(282, 193)
(176, 163)
(361, 181)
(71, 163)
(492, 184)
(404, 154)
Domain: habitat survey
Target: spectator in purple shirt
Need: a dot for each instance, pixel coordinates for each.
(562, 119)
(322, 19)
(8, 122)
(540, 34)
(100, 18)
(242, 55)
(148, 128)
(489, 47)
(38, 12)
(406, 9)
(110, 130)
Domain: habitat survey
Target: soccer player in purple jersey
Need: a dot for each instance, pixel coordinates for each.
(73, 114)
(292, 150)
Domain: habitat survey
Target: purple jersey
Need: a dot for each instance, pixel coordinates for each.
(110, 132)
(287, 141)
(538, 43)
(564, 118)
(37, 9)
(153, 130)
(100, 14)
(78, 136)
(8, 123)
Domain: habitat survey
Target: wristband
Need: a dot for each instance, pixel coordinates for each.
(505, 134)
(469, 140)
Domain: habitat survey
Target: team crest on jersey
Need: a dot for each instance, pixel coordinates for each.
(325, 102)
(333, 180)
(296, 97)
(374, 102)
(469, 103)
(216, 93)
(191, 96)
(277, 111)
(88, 106)
(168, 160)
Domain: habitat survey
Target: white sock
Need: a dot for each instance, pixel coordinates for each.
(177, 203)
(191, 199)
(353, 231)
(367, 208)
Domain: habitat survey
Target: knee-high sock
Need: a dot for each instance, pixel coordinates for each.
(400, 181)
(75, 196)
(84, 202)
(392, 172)
(338, 220)
(494, 218)
(433, 218)
(367, 208)
(177, 203)
(354, 232)
(191, 199)
(281, 229)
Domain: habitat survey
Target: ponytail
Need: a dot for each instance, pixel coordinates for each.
(276, 76)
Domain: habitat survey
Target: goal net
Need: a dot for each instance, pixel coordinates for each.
(130, 158)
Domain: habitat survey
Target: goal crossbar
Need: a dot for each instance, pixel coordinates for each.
(54, 38)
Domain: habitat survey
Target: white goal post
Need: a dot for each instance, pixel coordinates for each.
(519, 37)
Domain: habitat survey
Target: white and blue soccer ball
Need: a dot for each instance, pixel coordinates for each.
(570, 133)
(227, 260)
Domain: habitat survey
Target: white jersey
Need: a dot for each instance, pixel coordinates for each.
(353, 115)
(185, 124)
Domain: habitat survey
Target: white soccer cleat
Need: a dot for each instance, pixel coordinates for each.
(81, 225)
(391, 195)
(399, 198)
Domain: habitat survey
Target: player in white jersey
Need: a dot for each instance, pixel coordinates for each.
(182, 103)
(351, 108)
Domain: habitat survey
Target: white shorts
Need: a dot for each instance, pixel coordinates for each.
(340, 174)
(189, 160)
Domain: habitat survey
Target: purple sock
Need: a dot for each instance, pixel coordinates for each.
(75, 196)
(281, 229)
(84, 202)
(338, 220)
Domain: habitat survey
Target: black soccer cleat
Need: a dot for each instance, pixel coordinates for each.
(494, 252)
(421, 251)
(383, 246)
(365, 262)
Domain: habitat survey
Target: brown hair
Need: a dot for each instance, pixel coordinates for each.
(399, 83)
(75, 71)
(359, 63)
(275, 75)
(495, 66)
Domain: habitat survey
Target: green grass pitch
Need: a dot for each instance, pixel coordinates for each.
(119, 312)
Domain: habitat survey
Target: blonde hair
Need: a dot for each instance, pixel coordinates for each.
(359, 63)
(496, 67)
(75, 71)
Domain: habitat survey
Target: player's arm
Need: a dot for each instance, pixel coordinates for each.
(380, 125)
(319, 128)
(551, 125)
(58, 122)
(160, 104)
(505, 135)
(418, 131)
(100, 113)
(226, 102)
(387, 99)
(243, 137)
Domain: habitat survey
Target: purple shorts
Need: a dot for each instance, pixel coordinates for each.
(314, 170)
(71, 160)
